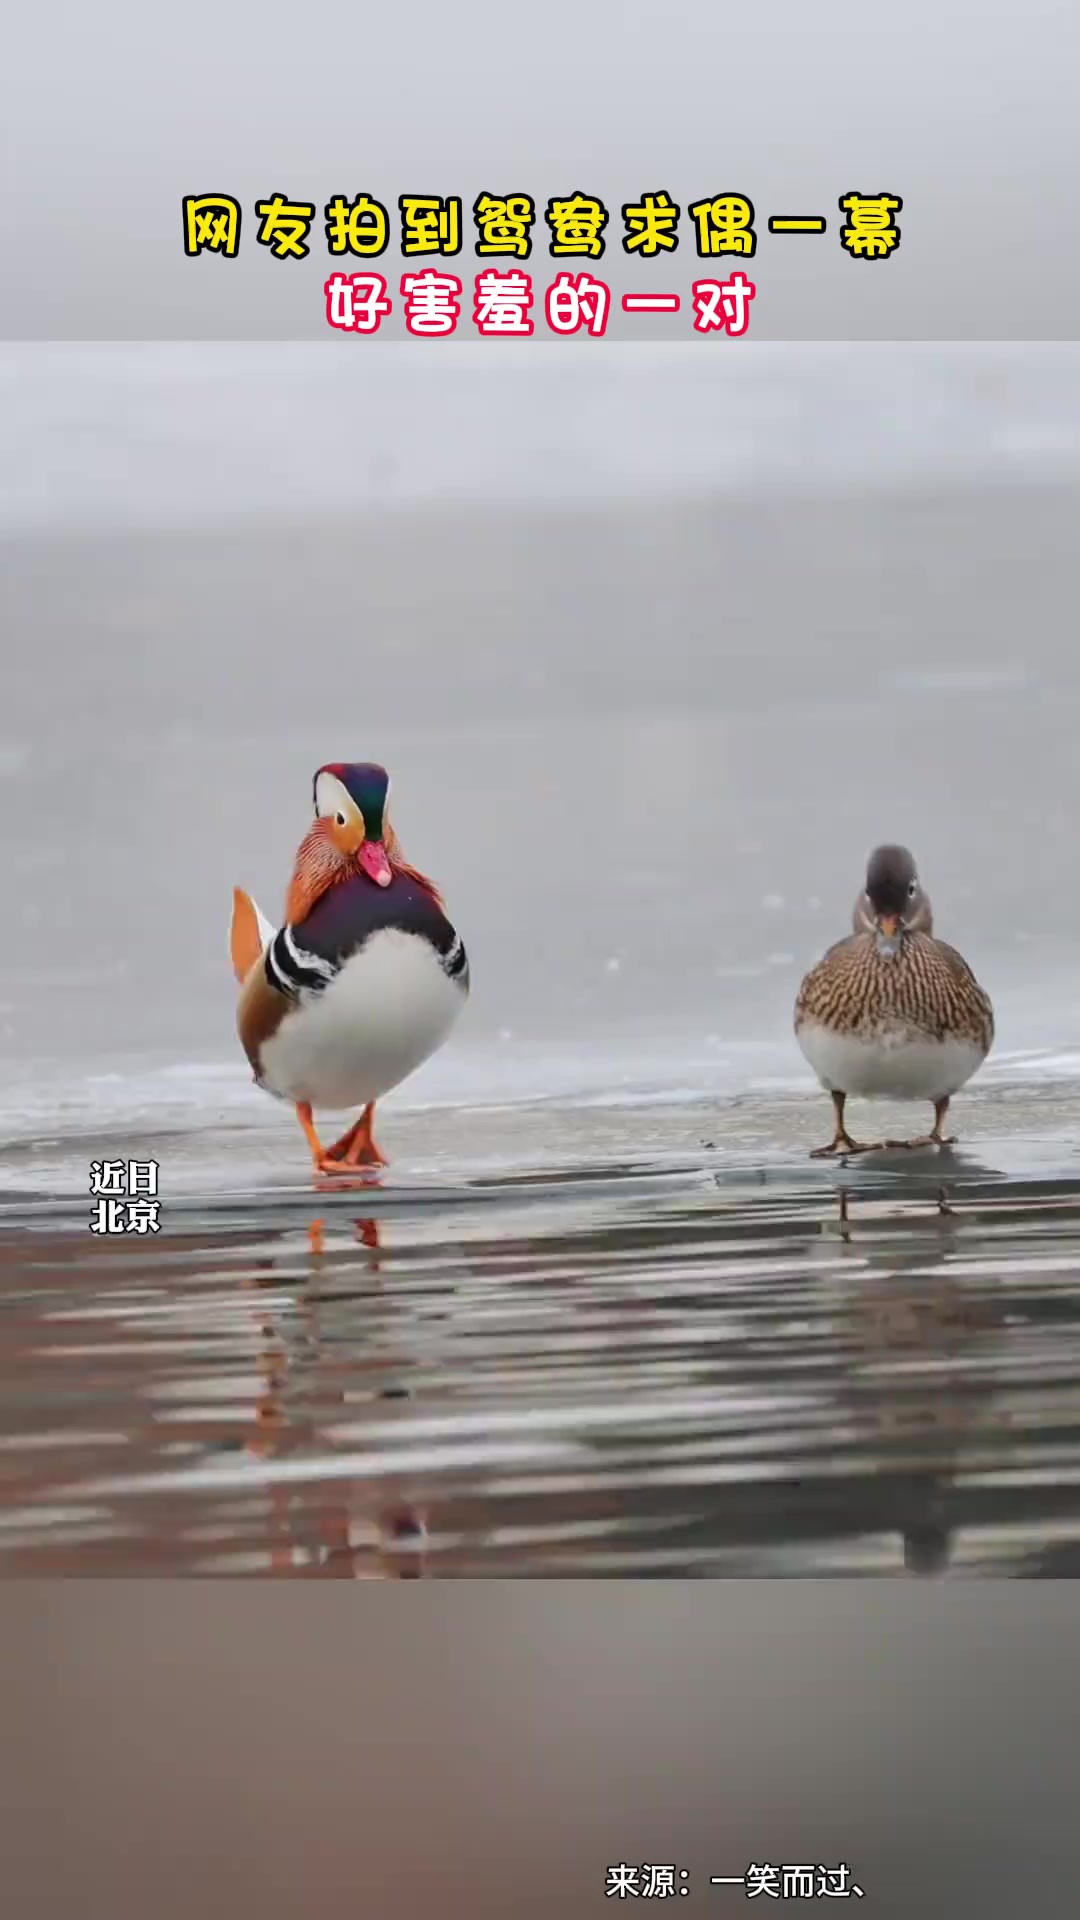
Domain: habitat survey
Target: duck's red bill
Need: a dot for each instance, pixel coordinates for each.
(374, 863)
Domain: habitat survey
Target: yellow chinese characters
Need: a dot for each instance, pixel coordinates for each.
(285, 226)
(871, 233)
(504, 226)
(357, 226)
(429, 224)
(211, 224)
(724, 225)
(650, 224)
(577, 225)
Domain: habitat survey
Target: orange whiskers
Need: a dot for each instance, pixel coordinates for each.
(321, 865)
(318, 866)
(400, 865)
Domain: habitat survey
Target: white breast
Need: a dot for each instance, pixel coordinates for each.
(390, 1007)
(894, 1065)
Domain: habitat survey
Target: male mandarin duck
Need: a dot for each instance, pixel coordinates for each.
(364, 980)
(891, 1013)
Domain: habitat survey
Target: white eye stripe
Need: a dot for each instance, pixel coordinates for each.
(332, 797)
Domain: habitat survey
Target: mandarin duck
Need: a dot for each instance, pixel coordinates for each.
(918, 914)
(362, 982)
(891, 1013)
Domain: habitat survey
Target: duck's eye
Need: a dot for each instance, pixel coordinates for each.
(340, 818)
(913, 889)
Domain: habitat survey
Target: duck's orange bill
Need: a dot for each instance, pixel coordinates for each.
(373, 862)
(889, 925)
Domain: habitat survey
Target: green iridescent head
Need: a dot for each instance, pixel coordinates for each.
(351, 797)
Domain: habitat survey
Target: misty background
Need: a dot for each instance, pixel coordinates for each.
(655, 651)
(112, 116)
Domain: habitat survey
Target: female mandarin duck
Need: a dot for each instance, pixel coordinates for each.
(364, 980)
(918, 913)
(892, 1013)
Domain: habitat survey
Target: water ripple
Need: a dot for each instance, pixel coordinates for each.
(672, 1367)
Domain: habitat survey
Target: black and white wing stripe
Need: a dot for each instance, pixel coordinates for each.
(455, 962)
(293, 970)
(296, 969)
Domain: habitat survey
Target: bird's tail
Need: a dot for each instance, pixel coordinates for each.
(249, 934)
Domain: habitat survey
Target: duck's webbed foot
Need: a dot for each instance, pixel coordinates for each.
(355, 1152)
(842, 1143)
(356, 1148)
(920, 1140)
(933, 1139)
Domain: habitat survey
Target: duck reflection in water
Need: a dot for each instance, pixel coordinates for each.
(323, 1529)
(916, 1332)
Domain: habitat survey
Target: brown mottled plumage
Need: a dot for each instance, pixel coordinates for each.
(892, 1012)
(921, 984)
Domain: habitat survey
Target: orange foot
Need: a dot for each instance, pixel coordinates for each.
(303, 1114)
(842, 1144)
(356, 1148)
